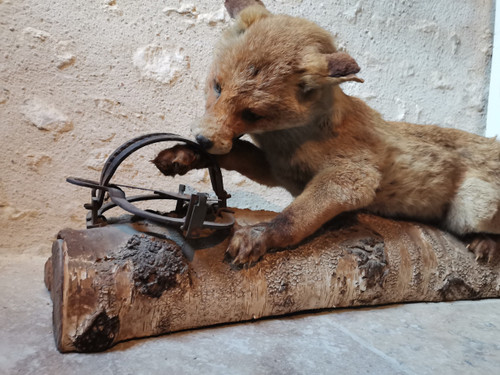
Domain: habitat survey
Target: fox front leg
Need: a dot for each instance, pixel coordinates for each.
(329, 193)
(244, 157)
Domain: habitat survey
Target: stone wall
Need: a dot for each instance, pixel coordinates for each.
(78, 78)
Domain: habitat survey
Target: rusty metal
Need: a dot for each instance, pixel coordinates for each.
(192, 212)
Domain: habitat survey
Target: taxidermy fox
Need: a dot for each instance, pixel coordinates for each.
(276, 78)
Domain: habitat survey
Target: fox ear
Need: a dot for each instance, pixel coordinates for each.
(234, 7)
(333, 69)
(246, 11)
(340, 64)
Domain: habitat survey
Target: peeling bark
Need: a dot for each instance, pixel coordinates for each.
(120, 282)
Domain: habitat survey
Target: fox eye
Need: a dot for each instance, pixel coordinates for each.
(217, 88)
(249, 116)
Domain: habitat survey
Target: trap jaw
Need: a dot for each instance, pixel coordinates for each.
(192, 212)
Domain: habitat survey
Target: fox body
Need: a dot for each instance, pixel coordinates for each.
(277, 79)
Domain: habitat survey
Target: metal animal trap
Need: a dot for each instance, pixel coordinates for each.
(192, 211)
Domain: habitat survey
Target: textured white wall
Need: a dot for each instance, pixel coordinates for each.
(493, 117)
(78, 78)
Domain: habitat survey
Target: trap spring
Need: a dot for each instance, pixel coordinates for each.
(192, 212)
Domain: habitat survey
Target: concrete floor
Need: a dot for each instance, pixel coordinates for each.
(440, 338)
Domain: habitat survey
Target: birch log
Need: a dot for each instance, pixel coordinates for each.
(117, 282)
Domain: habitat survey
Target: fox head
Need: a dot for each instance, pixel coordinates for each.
(270, 72)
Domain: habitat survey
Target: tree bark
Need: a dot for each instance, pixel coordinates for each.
(120, 282)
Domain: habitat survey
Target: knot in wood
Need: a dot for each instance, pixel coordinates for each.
(156, 263)
(370, 256)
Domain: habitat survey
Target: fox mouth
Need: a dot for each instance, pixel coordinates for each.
(204, 142)
(217, 149)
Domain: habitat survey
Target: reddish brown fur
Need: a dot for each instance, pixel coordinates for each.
(277, 78)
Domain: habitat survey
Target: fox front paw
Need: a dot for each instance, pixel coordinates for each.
(248, 244)
(484, 247)
(178, 160)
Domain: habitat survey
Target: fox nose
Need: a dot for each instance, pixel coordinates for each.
(204, 142)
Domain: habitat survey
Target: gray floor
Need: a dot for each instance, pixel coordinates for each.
(441, 338)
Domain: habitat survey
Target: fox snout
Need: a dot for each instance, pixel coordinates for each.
(212, 136)
(214, 145)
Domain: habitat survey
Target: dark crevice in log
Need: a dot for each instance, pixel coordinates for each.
(99, 335)
(455, 288)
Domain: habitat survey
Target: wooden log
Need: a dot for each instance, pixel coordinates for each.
(118, 282)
